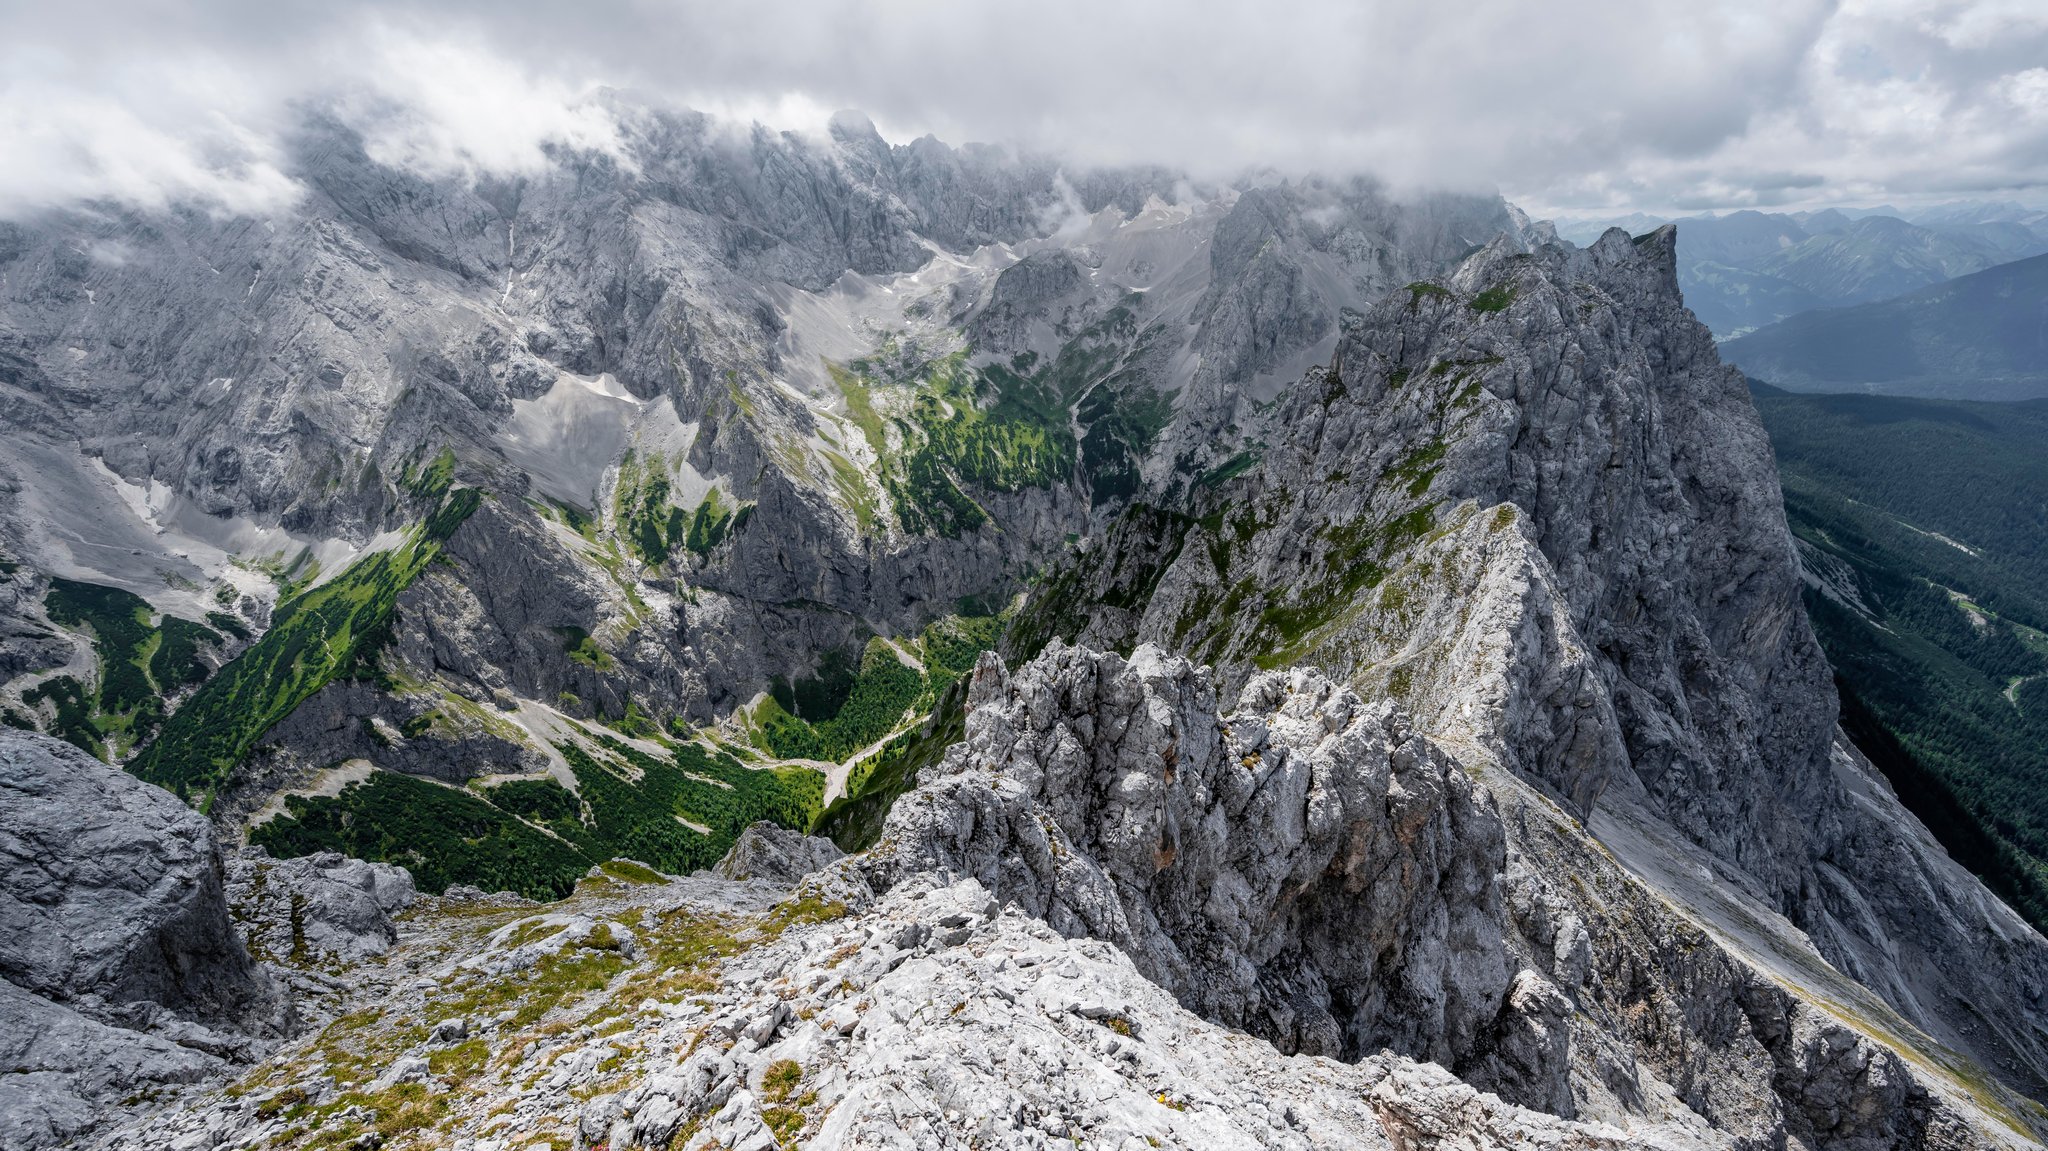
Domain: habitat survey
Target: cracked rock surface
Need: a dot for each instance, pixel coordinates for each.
(122, 973)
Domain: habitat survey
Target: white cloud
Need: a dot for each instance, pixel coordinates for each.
(1573, 103)
(142, 141)
(445, 108)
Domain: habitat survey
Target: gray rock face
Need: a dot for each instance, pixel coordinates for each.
(776, 855)
(1311, 869)
(67, 1071)
(111, 895)
(190, 391)
(1534, 509)
(1306, 868)
(321, 909)
(122, 973)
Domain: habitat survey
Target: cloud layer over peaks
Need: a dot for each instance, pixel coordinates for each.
(1571, 104)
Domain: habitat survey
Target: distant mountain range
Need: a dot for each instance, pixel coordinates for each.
(1747, 270)
(1982, 336)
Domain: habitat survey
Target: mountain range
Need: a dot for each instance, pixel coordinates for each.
(782, 640)
(1983, 337)
(1746, 270)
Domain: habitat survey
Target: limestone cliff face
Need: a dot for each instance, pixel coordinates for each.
(113, 896)
(1530, 505)
(606, 346)
(1306, 867)
(1311, 868)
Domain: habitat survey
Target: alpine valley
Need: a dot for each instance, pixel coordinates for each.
(759, 640)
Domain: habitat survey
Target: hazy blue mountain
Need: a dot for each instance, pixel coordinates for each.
(1980, 212)
(1746, 270)
(1982, 336)
(1882, 256)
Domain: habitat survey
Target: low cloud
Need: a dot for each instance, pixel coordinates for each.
(1570, 105)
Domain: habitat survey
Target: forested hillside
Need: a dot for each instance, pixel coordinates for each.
(1923, 525)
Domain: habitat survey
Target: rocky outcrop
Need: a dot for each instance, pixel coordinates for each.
(776, 855)
(1306, 868)
(111, 895)
(1312, 869)
(122, 972)
(740, 1015)
(67, 1072)
(322, 909)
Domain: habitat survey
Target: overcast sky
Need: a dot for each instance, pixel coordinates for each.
(1571, 106)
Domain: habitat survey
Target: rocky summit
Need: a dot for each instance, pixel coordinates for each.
(764, 640)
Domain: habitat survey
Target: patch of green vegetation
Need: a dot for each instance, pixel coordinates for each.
(1123, 421)
(845, 708)
(569, 515)
(72, 702)
(542, 802)
(817, 698)
(855, 492)
(433, 481)
(230, 624)
(531, 836)
(779, 1081)
(713, 521)
(142, 659)
(1355, 561)
(951, 646)
(290, 575)
(881, 691)
(989, 430)
(1495, 299)
(323, 634)
(442, 835)
(854, 821)
(460, 1062)
(627, 871)
(1229, 469)
(646, 520)
(654, 528)
(583, 649)
(1423, 290)
(637, 800)
(1419, 468)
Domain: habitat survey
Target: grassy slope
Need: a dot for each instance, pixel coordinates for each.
(965, 430)
(536, 837)
(314, 638)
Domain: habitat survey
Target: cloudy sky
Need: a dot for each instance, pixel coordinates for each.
(1571, 106)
